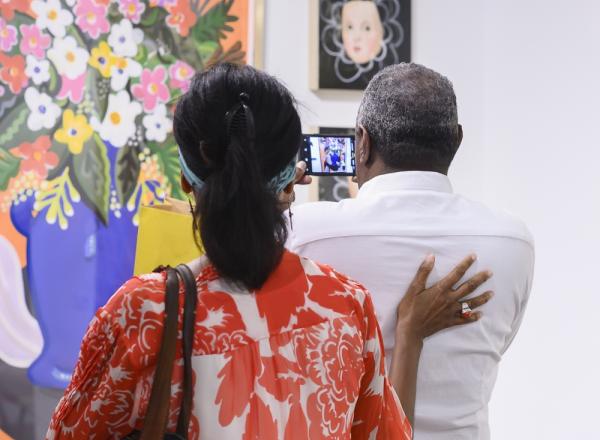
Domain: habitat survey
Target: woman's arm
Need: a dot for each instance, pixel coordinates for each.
(403, 372)
(424, 311)
(378, 409)
(103, 399)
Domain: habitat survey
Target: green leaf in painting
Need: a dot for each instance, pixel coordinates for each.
(127, 172)
(168, 160)
(206, 49)
(7, 102)
(91, 176)
(20, 18)
(98, 88)
(213, 25)
(142, 54)
(53, 84)
(62, 151)
(11, 126)
(150, 17)
(170, 50)
(9, 167)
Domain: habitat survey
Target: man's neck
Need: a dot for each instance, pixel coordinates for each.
(375, 171)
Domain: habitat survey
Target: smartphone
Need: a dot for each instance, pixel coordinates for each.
(328, 155)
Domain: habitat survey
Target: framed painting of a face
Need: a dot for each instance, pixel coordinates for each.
(353, 39)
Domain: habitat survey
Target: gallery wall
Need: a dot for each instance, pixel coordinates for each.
(525, 74)
(541, 116)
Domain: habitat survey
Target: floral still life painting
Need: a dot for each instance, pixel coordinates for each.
(87, 91)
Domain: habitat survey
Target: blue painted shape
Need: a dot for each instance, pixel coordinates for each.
(62, 282)
(72, 273)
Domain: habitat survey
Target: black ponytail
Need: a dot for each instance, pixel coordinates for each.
(237, 128)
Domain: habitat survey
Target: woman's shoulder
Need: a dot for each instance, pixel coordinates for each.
(138, 295)
(307, 286)
(326, 272)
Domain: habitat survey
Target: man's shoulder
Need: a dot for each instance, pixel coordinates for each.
(313, 210)
(485, 220)
(321, 219)
(404, 215)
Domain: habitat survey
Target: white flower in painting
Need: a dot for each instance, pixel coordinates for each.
(69, 59)
(157, 124)
(119, 122)
(124, 39)
(37, 70)
(122, 70)
(51, 16)
(43, 112)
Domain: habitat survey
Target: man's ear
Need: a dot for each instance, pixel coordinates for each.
(460, 136)
(364, 150)
(185, 185)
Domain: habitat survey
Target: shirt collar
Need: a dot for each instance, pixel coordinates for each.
(406, 180)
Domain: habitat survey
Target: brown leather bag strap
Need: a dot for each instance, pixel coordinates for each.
(155, 422)
(189, 322)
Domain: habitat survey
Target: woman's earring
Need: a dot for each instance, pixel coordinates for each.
(290, 214)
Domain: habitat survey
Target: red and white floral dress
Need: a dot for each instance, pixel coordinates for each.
(301, 358)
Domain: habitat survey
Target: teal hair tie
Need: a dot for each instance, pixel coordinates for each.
(196, 182)
(278, 183)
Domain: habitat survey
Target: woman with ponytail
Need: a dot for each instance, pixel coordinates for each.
(283, 347)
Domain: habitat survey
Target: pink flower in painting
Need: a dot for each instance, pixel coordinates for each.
(152, 89)
(132, 9)
(181, 74)
(36, 156)
(91, 18)
(8, 36)
(33, 41)
(72, 88)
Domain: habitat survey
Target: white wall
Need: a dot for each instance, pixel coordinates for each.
(527, 78)
(542, 161)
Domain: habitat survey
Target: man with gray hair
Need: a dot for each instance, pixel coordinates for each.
(407, 134)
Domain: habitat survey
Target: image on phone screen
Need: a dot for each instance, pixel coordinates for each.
(329, 155)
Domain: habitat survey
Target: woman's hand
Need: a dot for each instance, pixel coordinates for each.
(301, 177)
(288, 196)
(424, 311)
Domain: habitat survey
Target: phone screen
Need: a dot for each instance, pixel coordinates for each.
(330, 155)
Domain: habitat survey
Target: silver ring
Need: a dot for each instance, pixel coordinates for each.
(465, 310)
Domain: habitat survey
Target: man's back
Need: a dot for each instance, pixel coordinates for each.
(380, 239)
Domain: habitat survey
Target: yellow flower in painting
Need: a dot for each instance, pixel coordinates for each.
(75, 131)
(103, 59)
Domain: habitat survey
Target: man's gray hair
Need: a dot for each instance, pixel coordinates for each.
(410, 114)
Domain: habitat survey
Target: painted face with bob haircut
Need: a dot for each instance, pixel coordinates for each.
(362, 30)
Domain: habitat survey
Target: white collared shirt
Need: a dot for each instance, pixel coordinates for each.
(381, 237)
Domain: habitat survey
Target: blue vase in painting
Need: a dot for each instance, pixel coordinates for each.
(73, 271)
